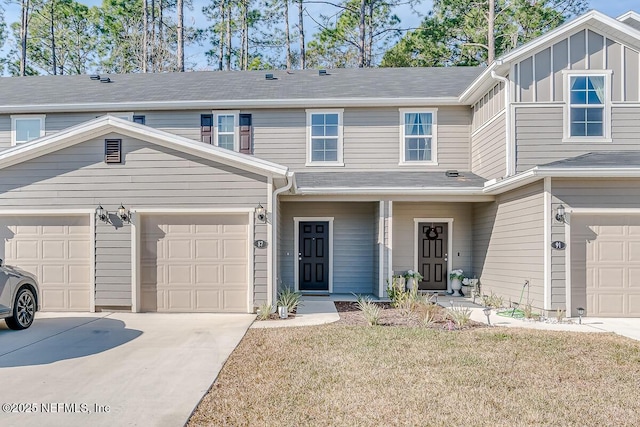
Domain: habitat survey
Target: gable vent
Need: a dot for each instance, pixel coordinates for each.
(112, 150)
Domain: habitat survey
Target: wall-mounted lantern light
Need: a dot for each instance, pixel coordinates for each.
(261, 213)
(123, 213)
(560, 214)
(102, 214)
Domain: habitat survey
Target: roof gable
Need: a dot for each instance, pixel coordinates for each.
(108, 124)
(593, 20)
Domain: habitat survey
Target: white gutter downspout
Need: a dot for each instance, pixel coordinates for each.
(507, 118)
(274, 239)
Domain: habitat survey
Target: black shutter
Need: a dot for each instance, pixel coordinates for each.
(206, 128)
(245, 134)
(112, 150)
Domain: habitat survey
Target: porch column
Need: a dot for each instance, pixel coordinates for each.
(385, 238)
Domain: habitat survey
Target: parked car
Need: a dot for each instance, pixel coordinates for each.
(18, 296)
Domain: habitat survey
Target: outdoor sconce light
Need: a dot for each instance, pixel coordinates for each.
(560, 214)
(487, 312)
(262, 215)
(102, 214)
(123, 213)
(580, 314)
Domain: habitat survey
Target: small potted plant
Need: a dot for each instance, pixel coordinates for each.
(457, 277)
(412, 278)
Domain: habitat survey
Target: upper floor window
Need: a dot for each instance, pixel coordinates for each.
(588, 101)
(226, 130)
(25, 128)
(418, 136)
(324, 135)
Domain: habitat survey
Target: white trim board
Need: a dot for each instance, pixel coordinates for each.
(449, 222)
(296, 246)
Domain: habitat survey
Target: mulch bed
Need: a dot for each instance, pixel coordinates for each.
(390, 316)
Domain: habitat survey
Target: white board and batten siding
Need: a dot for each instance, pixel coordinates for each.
(355, 228)
(508, 244)
(150, 176)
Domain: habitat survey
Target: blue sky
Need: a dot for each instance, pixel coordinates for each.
(613, 8)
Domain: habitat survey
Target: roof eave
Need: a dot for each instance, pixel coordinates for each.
(230, 104)
(384, 191)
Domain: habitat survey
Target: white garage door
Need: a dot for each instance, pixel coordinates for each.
(612, 264)
(194, 263)
(57, 250)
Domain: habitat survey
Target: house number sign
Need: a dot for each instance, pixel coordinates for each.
(260, 244)
(558, 245)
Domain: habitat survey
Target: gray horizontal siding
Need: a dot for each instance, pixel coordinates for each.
(113, 263)
(151, 176)
(488, 150)
(371, 138)
(354, 243)
(404, 238)
(540, 144)
(508, 244)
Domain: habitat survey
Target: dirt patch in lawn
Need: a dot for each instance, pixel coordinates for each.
(350, 314)
(336, 375)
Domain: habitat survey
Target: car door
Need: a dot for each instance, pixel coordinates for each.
(6, 292)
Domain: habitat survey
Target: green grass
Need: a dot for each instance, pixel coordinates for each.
(371, 376)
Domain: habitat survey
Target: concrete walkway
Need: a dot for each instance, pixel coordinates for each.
(309, 313)
(113, 369)
(321, 310)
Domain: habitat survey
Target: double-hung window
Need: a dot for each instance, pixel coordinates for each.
(418, 136)
(324, 134)
(25, 128)
(226, 130)
(588, 100)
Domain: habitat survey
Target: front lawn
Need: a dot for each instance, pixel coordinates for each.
(381, 376)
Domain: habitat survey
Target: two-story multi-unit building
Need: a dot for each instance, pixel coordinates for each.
(208, 191)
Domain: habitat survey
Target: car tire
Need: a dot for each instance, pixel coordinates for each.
(24, 310)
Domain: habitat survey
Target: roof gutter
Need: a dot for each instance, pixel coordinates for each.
(227, 104)
(398, 191)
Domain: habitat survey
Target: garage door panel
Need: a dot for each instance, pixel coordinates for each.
(208, 249)
(208, 274)
(235, 299)
(56, 249)
(208, 300)
(611, 263)
(198, 258)
(611, 251)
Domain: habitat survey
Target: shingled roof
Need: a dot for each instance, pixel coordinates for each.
(214, 86)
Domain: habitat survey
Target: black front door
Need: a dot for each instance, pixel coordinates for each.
(432, 256)
(313, 256)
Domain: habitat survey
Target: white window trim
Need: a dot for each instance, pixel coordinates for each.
(434, 138)
(15, 118)
(340, 161)
(606, 120)
(236, 126)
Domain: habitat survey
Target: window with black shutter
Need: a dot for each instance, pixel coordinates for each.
(138, 119)
(245, 134)
(206, 128)
(112, 150)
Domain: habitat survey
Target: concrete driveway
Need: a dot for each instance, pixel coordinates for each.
(106, 369)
